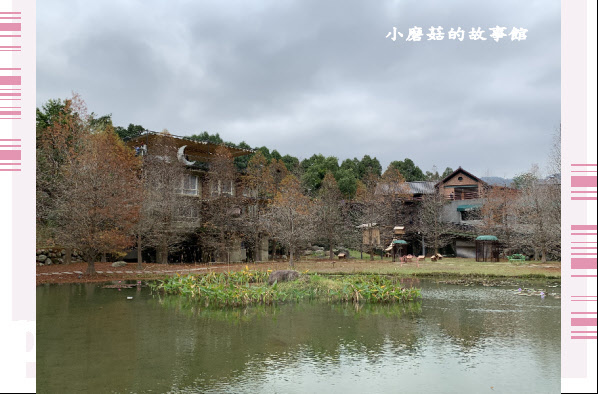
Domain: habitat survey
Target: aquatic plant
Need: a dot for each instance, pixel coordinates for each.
(250, 287)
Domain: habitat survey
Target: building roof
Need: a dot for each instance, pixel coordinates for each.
(367, 225)
(386, 189)
(421, 187)
(460, 171)
(196, 150)
(486, 238)
(468, 207)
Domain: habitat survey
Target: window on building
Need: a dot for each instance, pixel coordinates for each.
(473, 214)
(222, 188)
(226, 187)
(248, 192)
(251, 210)
(187, 214)
(190, 185)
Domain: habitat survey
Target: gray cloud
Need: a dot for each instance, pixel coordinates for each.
(308, 77)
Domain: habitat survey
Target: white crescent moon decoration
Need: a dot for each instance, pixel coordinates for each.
(181, 156)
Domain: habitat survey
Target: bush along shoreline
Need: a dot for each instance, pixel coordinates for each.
(251, 287)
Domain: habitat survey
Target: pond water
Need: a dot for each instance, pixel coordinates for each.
(458, 339)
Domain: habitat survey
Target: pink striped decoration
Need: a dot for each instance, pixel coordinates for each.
(10, 27)
(10, 79)
(585, 178)
(583, 264)
(587, 322)
(583, 248)
(10, 157)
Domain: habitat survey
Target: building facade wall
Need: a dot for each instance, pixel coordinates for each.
(447, 188)
(450, 213)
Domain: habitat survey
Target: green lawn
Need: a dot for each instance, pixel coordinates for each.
(447, 267)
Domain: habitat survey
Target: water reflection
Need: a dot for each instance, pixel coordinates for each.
(457, 339)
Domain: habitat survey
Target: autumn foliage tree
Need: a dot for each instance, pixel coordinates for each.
(329, 218)
(379, 200)
(223, 213)
(99, 197)
(435, 231)
(538, 209)
(499, 215)
(61, 129)
(166, 213)
(373, 208)
(278, 172)
(290, 216)
(259, 188)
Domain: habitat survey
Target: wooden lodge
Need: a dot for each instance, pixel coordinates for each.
(462, 185)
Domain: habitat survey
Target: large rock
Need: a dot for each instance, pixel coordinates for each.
(41, 258)
(283, 276)
(119, 264)
(48, 262)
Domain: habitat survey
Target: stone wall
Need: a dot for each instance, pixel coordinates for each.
(49, 256)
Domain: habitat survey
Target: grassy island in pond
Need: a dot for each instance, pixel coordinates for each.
(250, 287)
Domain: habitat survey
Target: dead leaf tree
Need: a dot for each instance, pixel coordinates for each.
(223, 213)
(99, 199)
(373, 209)
(379, 200)
(329, 219)
(61, 131)
(278, 171)
(290, 216)
(434, 229)
(539, 217)
(169, 211)
(499, 215)
(258, 189)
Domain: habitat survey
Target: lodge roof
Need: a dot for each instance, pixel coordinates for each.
(196, 150)
(460, 171)
(420, 187)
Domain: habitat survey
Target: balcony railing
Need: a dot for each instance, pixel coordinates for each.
(463, 196)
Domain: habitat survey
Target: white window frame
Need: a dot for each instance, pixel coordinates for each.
(216, 189)
(190, 190)
(190, 215)
(249, 192)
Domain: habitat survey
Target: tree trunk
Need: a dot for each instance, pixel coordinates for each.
(162, 253)
(68, 252)
(257, 255)
(291, 263)
(90, 257)
(331, 252)
(139, 258)
(104, 257)
(543, 255)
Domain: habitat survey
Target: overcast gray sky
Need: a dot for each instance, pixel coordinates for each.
(306, 77)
